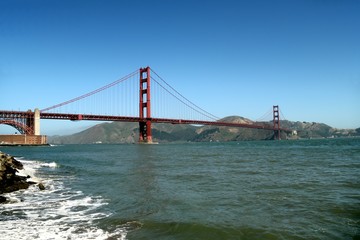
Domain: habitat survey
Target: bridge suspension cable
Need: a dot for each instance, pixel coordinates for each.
(121, 98)
(266, 116)
(282, 115)
(92, 92)
(163, 85)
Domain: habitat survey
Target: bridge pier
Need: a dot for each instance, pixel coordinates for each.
(145, 135)
(28, 125)
(36, 122)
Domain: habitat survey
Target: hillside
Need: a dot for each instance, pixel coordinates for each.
(225, 134)
(318, 130)
(120, 132)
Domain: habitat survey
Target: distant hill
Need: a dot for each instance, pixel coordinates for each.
(318, 130)
(225, 134)
(121, 132)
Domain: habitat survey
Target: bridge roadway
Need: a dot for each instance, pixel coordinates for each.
(89, 117)
(76, 117)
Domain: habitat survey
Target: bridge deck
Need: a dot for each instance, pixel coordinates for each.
(75, 117)
(89, 117)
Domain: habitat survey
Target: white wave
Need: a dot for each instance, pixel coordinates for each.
(36, 164)
(28, 164)
(30, 169)
(28, 172)
(55, 145)
(50, 165)
(59, 212)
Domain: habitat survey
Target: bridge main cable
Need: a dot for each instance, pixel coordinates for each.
(92, 92)
(183, 99)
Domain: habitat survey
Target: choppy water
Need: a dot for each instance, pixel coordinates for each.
(247, 190)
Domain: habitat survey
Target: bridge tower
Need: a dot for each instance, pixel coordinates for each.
(145, 135)
(276, 121)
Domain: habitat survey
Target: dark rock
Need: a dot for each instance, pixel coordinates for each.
(9, 181)
(41, 186)
(10, 161)
(16, 186)
(3, 199)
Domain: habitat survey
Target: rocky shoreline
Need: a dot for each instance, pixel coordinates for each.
(9, 180)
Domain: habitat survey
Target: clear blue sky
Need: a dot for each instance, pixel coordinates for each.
(229, 57)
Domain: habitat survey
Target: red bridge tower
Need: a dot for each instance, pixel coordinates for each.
(276, 120)
(145, 135)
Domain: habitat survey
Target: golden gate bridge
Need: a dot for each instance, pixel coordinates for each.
(141, 96)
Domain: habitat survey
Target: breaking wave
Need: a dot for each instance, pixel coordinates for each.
(59, 212)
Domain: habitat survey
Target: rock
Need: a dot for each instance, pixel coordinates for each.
(3, 199)
(10, 161)
(16, 186)
(41, 186)
(9, 181)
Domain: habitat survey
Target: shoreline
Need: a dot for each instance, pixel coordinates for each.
(10, 181)
(22, 145)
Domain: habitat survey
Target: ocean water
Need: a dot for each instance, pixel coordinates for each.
(308, 189)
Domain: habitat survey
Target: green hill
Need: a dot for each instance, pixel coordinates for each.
(121, 132)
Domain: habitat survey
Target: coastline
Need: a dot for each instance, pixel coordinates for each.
(22, 145)
(10, 181)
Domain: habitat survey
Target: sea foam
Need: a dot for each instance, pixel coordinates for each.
(59, 212)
